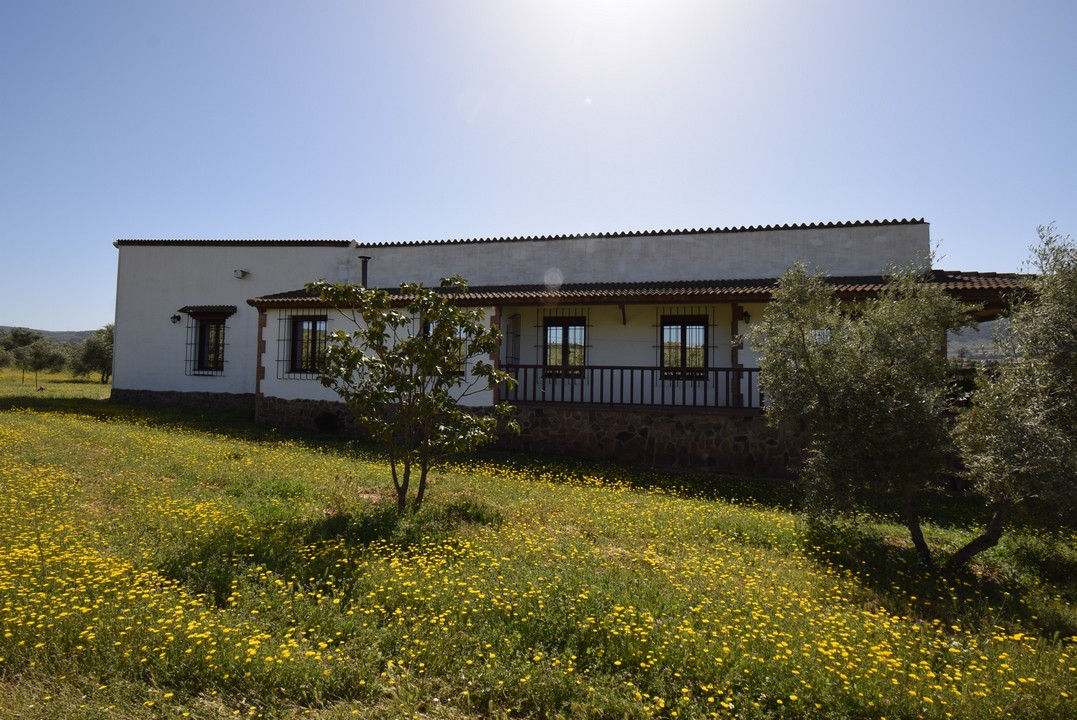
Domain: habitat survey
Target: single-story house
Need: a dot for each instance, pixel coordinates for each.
(624, 345)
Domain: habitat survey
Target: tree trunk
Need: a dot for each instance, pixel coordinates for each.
(424, 462)
(421, 489)
(912, 522)
(402, 490)
(984, 541)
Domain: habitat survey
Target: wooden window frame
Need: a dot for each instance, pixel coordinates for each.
(307, 346)
(683, 323)
(209, 345)
(566, 324)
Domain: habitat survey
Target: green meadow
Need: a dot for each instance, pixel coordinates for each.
(170, 564)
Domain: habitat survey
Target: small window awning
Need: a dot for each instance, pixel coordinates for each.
(209, 310)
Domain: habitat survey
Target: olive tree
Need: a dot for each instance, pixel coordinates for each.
(870, 380)
(402, 372)
(1019, 438)
(94, 355)
(40, 356)
(12, 344)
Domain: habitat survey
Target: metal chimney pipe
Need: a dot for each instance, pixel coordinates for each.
(365, 259)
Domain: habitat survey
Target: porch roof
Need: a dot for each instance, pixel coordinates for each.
(983, 288)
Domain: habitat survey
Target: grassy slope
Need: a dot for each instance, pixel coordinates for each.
(18, 386)
(153, 566)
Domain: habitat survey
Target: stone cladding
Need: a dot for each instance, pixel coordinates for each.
(719, 441)
(739, 443)
(227, 402)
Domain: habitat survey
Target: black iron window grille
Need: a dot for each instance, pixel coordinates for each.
(301, 341)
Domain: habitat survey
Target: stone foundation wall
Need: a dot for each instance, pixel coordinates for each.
(229, 402)
(720, 441)
(314, 415)
(716, 441)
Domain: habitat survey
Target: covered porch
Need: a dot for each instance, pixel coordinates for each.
(661, 345)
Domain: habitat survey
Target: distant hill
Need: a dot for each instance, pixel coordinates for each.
(67, 337)
(973, 344)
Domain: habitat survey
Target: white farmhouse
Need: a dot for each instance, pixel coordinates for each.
(624, 344)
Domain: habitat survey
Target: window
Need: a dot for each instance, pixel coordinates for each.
(564, 347)
(684, 344)
(210, 351)
(512, 340)
(307, 343)
(206, 325)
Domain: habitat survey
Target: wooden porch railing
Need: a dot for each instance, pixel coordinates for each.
(622, 385)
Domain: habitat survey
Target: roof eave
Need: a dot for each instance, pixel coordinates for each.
(988, 290)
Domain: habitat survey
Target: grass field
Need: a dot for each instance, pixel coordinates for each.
(159, 565)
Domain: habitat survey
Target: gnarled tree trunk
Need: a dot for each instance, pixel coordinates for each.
(912, 522)
(984, 541)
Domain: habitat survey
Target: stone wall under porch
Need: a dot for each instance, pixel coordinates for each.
(733, 442)
(736, 442)
(718, 441)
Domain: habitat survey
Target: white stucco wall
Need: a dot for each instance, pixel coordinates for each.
(860, 250)
(281, 384)
(154, 281)
(747, 355)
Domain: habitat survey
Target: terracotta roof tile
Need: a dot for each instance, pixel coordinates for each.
(165, 241)
(970, 285)
(527, 238)
(652, 233)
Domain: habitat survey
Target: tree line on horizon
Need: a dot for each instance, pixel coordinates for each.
(31, 351)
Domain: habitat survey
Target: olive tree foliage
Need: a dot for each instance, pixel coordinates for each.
(7, 346)
(94, 355)
(29, 350)
(1019, 438)
(401, 373)
(870, 381)
(18, 337)
(13, 339)
(42, 355)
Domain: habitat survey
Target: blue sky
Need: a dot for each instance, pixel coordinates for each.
(388, 121)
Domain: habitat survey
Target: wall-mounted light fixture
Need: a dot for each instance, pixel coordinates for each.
(240, 274)
(176, 318)
(746, 317)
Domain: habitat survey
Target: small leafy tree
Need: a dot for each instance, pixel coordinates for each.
(401, 373)
(94, 356)
(39, 356)
(871, 382)
(12, 343)
(1019, 438)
